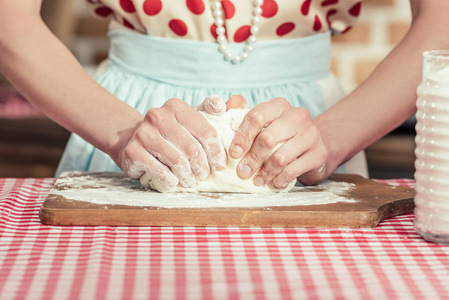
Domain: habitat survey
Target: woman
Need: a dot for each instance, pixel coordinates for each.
(174, 143)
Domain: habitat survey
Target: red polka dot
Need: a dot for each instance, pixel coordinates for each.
(103, 11)
(317, 23)
(305, 7)
(355, 10)
(329, 2)
(269, 8)
(152, 7)
(196, 6)
(285, 28)
(213, 31)
(242, 33)
(329, 14)
(228, 8)
(178, 27)
(127, 24)
(347, 29)
(127, 6)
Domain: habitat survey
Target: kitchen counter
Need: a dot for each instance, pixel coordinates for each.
(389, 261)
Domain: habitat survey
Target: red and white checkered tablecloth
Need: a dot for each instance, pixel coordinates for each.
(13, 105)
(390, 261)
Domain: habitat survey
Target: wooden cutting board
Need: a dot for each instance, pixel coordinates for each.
(107, 198)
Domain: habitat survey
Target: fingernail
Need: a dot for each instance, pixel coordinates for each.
(244, 171)
(280, 185)
(220, 161)
(259, 181)
(218, 168)
(188, 182)
(203, 174)
(236, 151)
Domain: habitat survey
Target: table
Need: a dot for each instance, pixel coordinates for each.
(390, 261)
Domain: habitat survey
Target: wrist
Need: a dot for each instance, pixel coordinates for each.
(120, 137)
(336, 145)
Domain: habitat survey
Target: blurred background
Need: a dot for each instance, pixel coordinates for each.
(31, 144)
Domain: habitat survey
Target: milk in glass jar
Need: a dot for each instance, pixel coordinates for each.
(432, 149)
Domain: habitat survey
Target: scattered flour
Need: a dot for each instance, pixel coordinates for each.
(118, 189)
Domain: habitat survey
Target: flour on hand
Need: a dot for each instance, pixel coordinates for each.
(226, 180)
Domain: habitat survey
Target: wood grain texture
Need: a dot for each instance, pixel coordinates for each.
(374, 203)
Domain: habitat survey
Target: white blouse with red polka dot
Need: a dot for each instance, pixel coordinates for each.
(193, 19)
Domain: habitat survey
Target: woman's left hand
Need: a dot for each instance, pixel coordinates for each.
(303, 154)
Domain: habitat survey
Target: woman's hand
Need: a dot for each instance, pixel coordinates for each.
(303, 154)
(174, 143)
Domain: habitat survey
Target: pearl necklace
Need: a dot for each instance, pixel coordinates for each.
(221, 38)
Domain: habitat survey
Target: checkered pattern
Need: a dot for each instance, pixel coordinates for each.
(390, 261)
(13, 105)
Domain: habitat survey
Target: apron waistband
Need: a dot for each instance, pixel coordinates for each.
(195, 63)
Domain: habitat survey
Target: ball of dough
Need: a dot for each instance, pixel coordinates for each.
(226, 180)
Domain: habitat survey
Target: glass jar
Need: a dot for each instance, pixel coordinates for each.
(432, 149)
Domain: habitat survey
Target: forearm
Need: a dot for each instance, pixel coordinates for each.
(47, 74)
(387, 98)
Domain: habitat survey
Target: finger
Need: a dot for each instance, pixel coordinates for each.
(256, 119)
(192, 149)
(200, 129)
(315, 176)
(213, 104)
(236, 101)
(170, 156)
(312, 160)
(167, 153)
(286, 154)
(270, 138)
(138, 162)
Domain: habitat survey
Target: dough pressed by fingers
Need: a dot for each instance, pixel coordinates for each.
(226, 180)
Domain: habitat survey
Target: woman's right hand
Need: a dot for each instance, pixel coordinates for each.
(174, 144)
